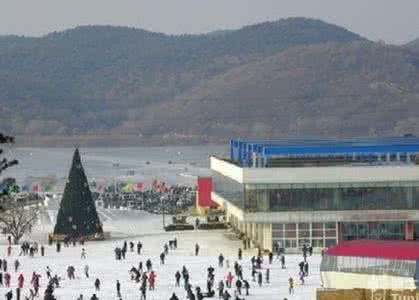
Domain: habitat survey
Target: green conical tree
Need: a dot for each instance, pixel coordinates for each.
(77, 215)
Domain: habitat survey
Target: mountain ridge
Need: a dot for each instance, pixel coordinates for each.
(132, 85)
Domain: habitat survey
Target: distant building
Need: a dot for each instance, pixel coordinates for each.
(371, 264)
(320, 192)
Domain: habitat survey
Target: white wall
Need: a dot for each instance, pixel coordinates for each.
(227, 169)
(344, 174)
(340, 280)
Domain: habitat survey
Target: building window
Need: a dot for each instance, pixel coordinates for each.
(262, 198)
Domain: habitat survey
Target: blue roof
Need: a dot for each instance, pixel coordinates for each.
(243, 150)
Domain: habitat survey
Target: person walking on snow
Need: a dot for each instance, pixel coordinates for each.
(143, 290)
(152, 280)
(48, 273)
(9, 295)
(239, 286)
(301, 274)
(118, 289)
(20, 281)
(174, 297)
(229, 279)
(271, 257)
(86, 271)
(7, 278)
(282, 261)
(139, 248)
(220, 289)
(291, 285)
(97, 284)
(17, 264)
(246, 286)
(306, 268)
(177, 277)
(267, 275)
(260, 279)
(196, 249)
(220, 260)
(83, 253)
(148, 265)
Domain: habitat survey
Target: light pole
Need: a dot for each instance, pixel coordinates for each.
(162, 207)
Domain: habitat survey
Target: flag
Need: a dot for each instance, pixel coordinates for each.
(13, 188)
(35, 188)
(99, 188)
(128, 188)
(139, 187)
(162, 187)
(46, 187)
(25, 188)
(155, 185)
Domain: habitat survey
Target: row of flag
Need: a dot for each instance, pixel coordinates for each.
(156, 186)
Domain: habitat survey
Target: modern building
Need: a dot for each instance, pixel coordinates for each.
(371, 264)
(320, 192)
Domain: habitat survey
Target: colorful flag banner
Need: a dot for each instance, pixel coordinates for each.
(139, 187)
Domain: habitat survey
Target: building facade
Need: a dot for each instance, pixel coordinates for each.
(371, 264)
(290, 193)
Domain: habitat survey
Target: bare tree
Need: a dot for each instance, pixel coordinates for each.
(18, 218)
(4, 162)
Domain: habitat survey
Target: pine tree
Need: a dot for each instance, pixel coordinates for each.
(77, 215)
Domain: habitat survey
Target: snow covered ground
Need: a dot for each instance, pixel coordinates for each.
(135, 226)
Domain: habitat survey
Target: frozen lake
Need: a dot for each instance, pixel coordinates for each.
(170, 164)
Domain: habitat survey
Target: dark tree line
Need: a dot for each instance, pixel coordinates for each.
(4, 162)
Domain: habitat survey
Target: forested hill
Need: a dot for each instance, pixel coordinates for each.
(123, 85)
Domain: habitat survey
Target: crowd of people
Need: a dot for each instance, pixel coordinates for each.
(174, 199)
(234, 285)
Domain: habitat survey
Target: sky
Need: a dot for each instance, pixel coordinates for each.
(391, 21)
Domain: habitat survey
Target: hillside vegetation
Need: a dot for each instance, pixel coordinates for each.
(117, 85)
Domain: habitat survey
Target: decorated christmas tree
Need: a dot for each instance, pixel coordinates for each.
(77, 216)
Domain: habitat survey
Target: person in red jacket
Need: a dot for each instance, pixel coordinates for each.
(152, 280)
(229, 279)
(35, 282)
(20, 281)
(7, 279)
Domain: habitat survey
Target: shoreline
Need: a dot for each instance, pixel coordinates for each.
(113, 141)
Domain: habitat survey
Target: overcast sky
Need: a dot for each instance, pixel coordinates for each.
(394, 21)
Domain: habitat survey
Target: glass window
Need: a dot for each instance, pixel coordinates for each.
(290, 226)
(317, 243)
(290, 234)
(330, 242)
(317, 226)
(303, 226)
(230, 190)
(304, 233)
(317, 233)
(394, 195)
(276, 226)
(330, 225)
(291, 243)
(302, 242)
(330, 233)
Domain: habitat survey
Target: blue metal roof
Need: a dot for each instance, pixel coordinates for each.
(243, 150)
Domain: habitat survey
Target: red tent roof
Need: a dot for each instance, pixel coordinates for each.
(408, 250)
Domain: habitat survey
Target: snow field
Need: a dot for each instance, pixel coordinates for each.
(102, 265)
